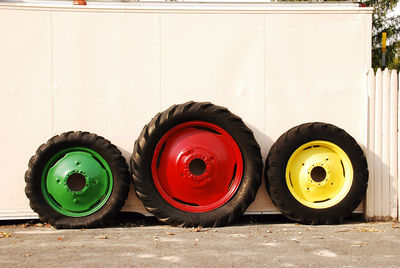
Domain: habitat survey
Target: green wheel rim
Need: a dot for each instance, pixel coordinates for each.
(76, 182)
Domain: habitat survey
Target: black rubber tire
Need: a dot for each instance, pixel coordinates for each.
(109, 152)
(277, 161)
(193, 111)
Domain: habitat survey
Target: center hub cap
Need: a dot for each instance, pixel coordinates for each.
(197, 167)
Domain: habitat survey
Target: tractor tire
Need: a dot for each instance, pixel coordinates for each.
(77, 180)
(316, 173)
(196, 164)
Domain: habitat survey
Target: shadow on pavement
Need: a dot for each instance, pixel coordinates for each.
(131, 219)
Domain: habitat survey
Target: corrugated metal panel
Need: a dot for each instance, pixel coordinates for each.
(382, 149)
(393, 162)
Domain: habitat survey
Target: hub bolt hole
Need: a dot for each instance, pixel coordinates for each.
(197, 167)
(76, 182)
(318, 174)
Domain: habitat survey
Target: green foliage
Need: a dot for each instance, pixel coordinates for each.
(382, 22)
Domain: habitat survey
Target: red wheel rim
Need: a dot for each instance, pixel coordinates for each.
(197, 166)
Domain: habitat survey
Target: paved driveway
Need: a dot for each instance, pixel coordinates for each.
(262, 241)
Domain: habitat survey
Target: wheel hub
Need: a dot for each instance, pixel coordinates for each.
(196, 165)
(318, 174)
(77, 182)
(314, 176)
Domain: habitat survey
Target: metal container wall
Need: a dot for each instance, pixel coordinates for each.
(108, 68)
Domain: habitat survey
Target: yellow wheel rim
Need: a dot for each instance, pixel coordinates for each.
(319, 174)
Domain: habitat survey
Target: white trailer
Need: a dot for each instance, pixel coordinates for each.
(109, 67)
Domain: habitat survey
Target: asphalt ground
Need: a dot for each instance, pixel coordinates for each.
(252, 241)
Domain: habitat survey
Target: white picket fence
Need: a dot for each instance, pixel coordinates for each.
(382, 200)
